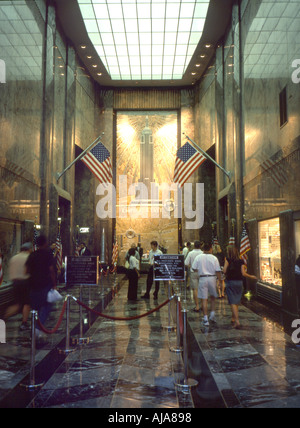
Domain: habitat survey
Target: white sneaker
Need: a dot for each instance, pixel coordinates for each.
(205, 322)
(212, 319)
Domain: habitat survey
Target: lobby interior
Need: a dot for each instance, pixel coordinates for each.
(225, 73)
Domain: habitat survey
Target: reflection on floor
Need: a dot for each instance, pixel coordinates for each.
(128, 364)
(257, 366)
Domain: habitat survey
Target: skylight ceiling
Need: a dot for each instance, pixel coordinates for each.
(145, 39)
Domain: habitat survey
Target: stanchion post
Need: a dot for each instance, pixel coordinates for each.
(178, 348)
(185, 382)
(32, 385)
(67, 349)
(169, 327)
(81, 340)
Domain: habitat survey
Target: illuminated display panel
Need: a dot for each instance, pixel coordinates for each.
(270, 252)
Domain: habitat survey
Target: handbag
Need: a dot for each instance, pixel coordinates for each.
(54, 296)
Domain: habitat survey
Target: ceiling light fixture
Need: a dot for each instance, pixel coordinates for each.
(149, 40)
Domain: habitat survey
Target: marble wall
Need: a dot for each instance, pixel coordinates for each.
(252, 66)
(21, 45)
(271, 148)
(48, 104)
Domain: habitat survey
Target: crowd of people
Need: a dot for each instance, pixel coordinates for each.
(209, 272)
(33, 274)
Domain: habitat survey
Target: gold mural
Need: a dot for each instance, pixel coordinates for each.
(146, 153)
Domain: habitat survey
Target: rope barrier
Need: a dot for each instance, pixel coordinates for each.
(99, 314)
(157, 308)
(44, 330)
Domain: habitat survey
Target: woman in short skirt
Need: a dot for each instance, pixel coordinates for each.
(235, 270)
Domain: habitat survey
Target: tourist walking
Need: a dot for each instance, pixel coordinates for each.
(153, 252)
(235, 270)
(217, 251)
(41, 269)
(208, 268)
(21, 285)
(133, 275)
(192, 255)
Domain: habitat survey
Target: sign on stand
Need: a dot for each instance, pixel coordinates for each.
(168, 267)
(82, 270)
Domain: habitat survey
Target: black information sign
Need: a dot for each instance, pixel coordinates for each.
(82, 270)
(168, 267)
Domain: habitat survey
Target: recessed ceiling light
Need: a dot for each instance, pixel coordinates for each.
(89, 56)
(99, 74)
(198, 65)
(83, 46)
(95, 65)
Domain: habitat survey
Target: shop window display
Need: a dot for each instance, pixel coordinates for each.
(270, 252)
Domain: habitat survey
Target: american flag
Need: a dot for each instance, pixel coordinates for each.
(58, 251)
(188, 160)
(1, 269)
(215, 241)
(99, 162)
(115, 253)
(232, 240)
(245, 246)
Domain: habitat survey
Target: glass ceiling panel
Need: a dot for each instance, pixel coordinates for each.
(141, 31)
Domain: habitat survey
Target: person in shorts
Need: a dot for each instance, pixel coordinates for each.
(21, 285)
(208, 268)
(194, 275)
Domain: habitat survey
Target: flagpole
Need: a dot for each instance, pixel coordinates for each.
(59, 175)
(228, 173)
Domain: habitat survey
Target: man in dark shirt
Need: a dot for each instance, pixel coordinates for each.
(41, 269)
(84, 251)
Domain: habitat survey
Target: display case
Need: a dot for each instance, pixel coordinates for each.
(270, 252)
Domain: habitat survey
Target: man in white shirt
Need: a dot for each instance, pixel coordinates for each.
(186, 249)
(208, 268)
(192, 255)
(153, 252)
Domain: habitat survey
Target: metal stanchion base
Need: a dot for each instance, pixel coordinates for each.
(66, 351)
(32, 387)
(81, 341)
(176, 350)
(186, 384)
(170, 328)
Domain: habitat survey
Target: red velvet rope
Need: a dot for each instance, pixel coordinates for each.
(58, 323)
(124, 319)
(157, 308)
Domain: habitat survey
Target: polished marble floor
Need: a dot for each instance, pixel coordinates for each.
(128, 364)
